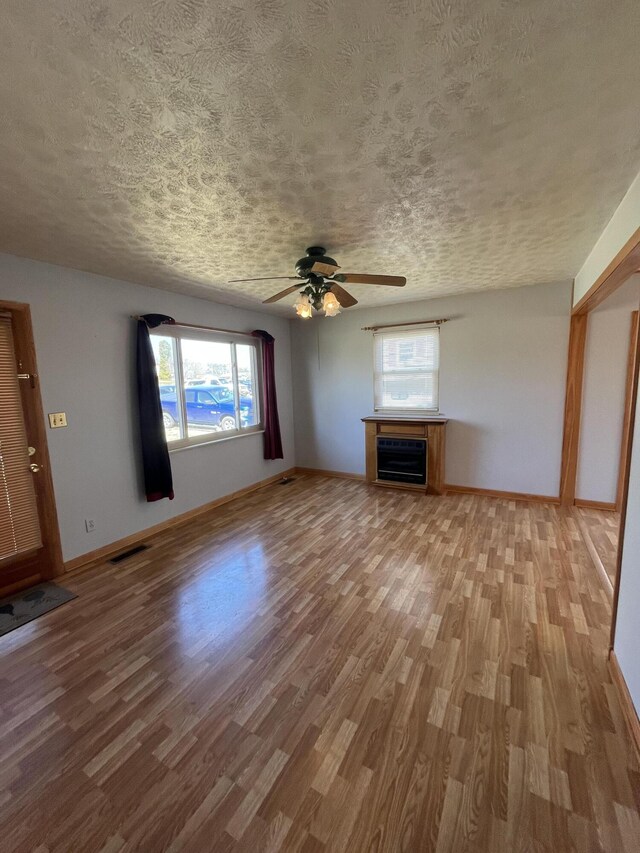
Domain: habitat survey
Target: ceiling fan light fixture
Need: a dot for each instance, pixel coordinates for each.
(321, 274)
(303, 307)
(330, 305)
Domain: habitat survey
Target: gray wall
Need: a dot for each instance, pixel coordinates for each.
(84, 343)
(605, 374)
(503, 363)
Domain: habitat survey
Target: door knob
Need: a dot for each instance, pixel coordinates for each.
(34, 467)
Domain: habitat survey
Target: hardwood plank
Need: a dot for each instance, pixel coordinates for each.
(325, 667)
(600, 530)
(626, 701)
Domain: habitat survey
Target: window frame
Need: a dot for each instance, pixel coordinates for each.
(179, 334)
(406, 410)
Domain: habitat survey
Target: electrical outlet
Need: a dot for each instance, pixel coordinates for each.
(57, 419)
(90, 524)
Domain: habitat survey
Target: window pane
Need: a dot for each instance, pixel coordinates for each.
(406, 369)
(406, 391)
(223, 394)
(207, 367)
(164, 351)
(246, 359)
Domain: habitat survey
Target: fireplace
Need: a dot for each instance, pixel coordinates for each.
(405, 452)
(402, 460)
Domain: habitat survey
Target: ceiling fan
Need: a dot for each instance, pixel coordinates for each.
(320, 284)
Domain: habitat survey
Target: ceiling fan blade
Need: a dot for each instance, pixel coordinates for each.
(283, 293)
(345, 299)
(324, 269)
(268, 278)
(358, 278)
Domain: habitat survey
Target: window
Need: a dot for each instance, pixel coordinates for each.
(209, 386)
(406, 370)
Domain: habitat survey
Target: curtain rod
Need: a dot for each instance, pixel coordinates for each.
(202, 328)
(412, 323)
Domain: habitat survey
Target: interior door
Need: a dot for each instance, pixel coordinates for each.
(29, 537)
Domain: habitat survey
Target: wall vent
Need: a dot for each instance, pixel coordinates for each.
(126, 554)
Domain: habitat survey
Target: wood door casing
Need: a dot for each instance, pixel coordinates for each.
(22, 571)
(573, 408)
(629, 397)
(633, 369)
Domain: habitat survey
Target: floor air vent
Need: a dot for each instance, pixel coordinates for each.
(126, 554)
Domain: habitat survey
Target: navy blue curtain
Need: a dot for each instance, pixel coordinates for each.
(272, 439)
(158, 481)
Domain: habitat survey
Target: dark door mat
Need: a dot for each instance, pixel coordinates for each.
(27, 605)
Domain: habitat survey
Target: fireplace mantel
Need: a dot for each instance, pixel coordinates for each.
(399, 426)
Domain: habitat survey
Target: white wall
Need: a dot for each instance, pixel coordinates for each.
(502, 383)
(603, 401)
(84, 340)
(626, 636)
(620, 228)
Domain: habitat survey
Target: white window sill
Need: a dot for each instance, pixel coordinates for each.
(208, 441)
(426, 413)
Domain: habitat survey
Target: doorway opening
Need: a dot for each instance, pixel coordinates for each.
(610, 365)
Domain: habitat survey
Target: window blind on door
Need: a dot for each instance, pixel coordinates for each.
(406, 369)
(19, 523)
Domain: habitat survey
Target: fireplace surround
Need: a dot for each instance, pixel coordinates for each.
(405, 452)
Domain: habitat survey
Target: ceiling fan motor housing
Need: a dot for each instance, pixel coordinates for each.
(315, 254)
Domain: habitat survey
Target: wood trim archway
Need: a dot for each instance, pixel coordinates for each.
(624, 265)
(573, 408)
(629, 407)
(633, 370)
(621, 268)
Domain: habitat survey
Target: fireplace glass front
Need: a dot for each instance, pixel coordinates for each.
(402, 460)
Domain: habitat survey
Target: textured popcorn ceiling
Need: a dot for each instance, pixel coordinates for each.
(180, 143)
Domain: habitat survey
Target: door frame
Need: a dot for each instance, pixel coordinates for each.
(36, 429)
(629, 408)
(625, 466)
(625, 264)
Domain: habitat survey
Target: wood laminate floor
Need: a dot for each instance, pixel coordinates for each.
(325, 666)
(602, 527)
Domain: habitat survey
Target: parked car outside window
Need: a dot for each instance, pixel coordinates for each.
(210, 406)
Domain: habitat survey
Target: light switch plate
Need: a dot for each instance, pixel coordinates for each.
(57, 419)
